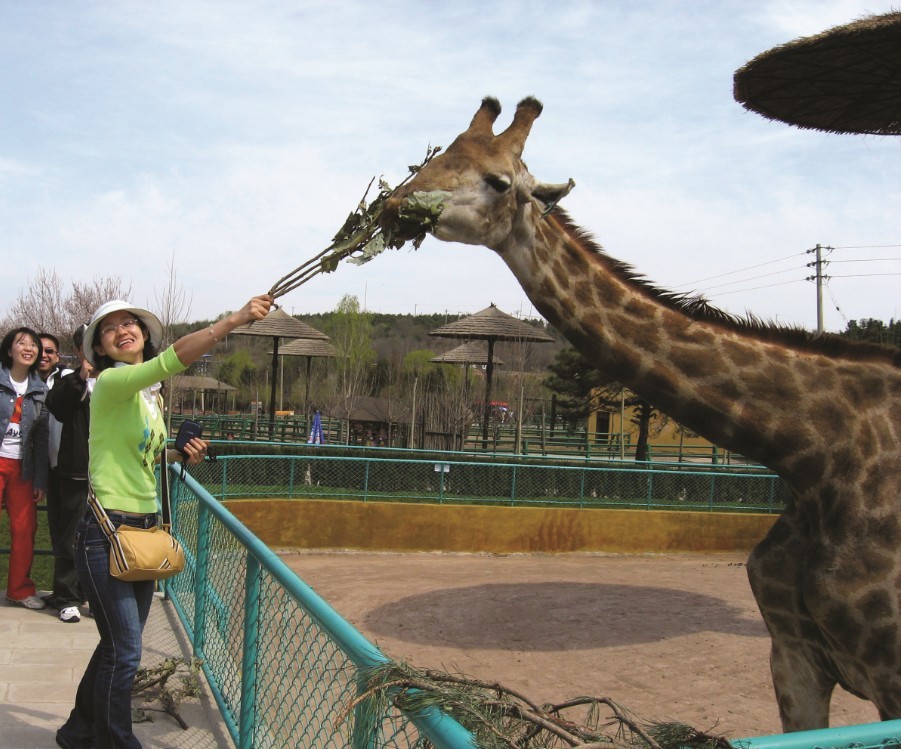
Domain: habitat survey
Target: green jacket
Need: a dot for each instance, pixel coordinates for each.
(128, 431)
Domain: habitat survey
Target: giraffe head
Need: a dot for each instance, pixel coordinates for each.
(486, 184)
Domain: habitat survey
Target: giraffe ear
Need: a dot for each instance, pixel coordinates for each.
(550, 195)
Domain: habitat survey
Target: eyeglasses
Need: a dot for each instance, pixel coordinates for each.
(111, 328)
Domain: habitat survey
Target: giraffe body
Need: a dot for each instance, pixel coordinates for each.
(822, 412)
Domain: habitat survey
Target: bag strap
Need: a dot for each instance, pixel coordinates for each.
(164, 475)
(164, 490)
(103, 520)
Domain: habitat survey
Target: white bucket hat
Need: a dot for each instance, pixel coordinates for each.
(151, 322)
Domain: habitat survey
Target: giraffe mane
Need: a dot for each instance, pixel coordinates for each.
(696, 307)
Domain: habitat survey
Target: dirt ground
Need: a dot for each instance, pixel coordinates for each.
(675, 636)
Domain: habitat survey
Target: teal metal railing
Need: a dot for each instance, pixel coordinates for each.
(281, 663)
(453, 478)
(863, 736)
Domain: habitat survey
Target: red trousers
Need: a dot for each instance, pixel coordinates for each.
(17, 496)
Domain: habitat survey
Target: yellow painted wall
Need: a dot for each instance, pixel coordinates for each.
(388, 526)
(668, 436)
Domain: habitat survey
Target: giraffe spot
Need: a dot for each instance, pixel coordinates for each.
(639, 309)
(742, 353)
(610, 294)
(593, 325)
(832, 515)
(872, 486)
(807, 470)
(691, 334)
(863, 388)
(663, 380)
(884, 533)
(865, 438)
(876, 604)
(628, 361)
(809, 630)
(841, 625)
(864, 565)
(696, 361)
(845, 462)
(786, 704)
(777, 383)
(878, 650)
(647, 334)
(560, 272)
(584, 291)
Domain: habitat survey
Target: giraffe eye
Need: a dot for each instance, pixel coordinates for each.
(498, 182)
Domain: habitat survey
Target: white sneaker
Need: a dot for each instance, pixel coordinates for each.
(70, 615)
(31, 602)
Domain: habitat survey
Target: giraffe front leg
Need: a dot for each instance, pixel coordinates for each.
(802, 678)
(803, 688)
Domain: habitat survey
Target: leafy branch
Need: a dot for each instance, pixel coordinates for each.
(362, 237)
(502, 718)
(152, 684)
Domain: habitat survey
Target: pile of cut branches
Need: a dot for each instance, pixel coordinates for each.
(502, 718)
(153, 685)
(362, 237)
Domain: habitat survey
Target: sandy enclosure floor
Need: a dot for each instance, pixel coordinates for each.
(675, 636)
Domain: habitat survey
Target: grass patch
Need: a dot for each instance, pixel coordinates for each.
(42, 568)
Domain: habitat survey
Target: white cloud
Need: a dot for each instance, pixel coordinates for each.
(237, 136)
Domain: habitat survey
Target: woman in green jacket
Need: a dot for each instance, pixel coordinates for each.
(127, 434)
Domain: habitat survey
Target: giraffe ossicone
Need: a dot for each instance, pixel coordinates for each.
(821, 411)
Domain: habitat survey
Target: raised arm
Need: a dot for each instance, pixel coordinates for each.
(191, 347)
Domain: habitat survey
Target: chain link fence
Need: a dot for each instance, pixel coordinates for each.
(283, 666)
(516, 482)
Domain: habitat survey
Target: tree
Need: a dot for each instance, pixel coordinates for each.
(46, 305)
(583, 389)
(576, 382)
(874, 331)
(172, 307)
(240, 369)
(351, 332)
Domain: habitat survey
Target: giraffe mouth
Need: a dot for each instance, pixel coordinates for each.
(411, 217)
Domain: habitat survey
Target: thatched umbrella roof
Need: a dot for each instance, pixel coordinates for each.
(199, 382)
(307, 347)
(474, 352)
(278, 324)
(311, 349)
(492, 325)
(844, 80)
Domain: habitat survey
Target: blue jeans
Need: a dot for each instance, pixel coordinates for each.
(101, 718)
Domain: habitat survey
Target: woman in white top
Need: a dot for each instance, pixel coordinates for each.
(24, 442)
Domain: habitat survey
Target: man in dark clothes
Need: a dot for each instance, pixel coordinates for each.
(71, 405)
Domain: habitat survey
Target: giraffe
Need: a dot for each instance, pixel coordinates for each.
(822, 412)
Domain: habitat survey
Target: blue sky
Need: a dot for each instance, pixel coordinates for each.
(237, 136)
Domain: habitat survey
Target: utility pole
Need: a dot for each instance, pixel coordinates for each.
(819, 277)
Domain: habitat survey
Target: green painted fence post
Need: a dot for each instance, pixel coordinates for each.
(247, 721)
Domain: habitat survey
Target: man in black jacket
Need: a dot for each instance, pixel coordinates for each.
(70, 402)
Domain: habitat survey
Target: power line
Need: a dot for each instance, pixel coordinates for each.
(789, 257)
(755, 288)
(835, 303)
(865, 275)
(868, 260)
(740, 270)
(754, 278)
(867, 246)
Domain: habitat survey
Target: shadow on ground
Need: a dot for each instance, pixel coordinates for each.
(549, 616)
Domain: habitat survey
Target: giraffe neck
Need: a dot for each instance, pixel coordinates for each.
(736, 390)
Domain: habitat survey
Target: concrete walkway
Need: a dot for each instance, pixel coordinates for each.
(42, 660)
